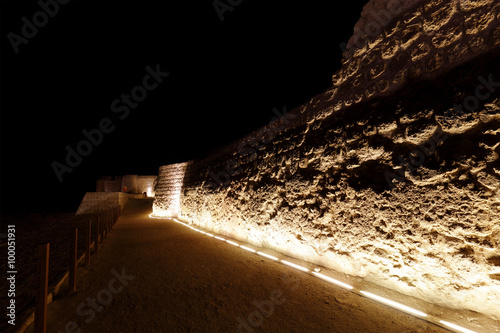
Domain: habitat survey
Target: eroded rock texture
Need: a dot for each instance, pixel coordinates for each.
(399, 41)
(168, 189)
(400, 188)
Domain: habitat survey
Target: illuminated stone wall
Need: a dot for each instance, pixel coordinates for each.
(401, 189)
(146, 184)
(133, 183)
(129, 183)
(168, 189)
(94, 202)
(399, 41)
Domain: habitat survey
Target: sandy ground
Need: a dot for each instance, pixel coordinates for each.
(173, 279)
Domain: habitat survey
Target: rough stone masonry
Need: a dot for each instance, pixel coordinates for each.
(417, 98)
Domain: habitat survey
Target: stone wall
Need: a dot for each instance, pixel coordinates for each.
(133, 184)
(129, 183)
(168, 189)
(146, 184)
(94, 202)
(401, 189)
(101, 185)
(398, 42)
(113, 185)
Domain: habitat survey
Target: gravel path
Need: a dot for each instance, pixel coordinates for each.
(158, 276)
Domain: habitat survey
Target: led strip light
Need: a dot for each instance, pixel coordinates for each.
(388, 302)
(394, 304)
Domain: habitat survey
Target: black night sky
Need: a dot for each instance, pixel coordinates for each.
(224, 80)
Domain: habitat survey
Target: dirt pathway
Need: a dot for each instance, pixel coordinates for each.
(159, 276)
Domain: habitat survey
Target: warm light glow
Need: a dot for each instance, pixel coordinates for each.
(267, 255)
(169, 186)
(458, 328)
(247, 248)
(232, 243)
(329, 279)
(394, 304)
(324, 277)
(291, 264)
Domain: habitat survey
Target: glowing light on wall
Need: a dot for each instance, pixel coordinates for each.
(329, 279)
(168, 190)
(267, 255)
(394, 304)
(456, 327)
(291, 264)
(315, 272)
(247, 248)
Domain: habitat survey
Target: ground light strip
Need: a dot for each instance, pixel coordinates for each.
(267, 255)
(291, 264)
(329, 279)
(456, 327)
(247, 248)
(394, 304)
(377, 298)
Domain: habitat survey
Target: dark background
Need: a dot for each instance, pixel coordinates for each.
(225, 79)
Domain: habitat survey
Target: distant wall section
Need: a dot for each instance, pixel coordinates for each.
(146, 184)
(94, 202)
(133, 184)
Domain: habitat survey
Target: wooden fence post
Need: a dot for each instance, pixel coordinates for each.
(87, 247)
(43, 286)
(97, 234)
(73, 247)
(103, 227)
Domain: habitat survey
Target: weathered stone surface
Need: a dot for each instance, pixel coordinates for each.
(168, 189)
(94, 202)
(133, 183)
(422, 38)
(393, 174)
(146, 184)
(129, 183)
(113, 185)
